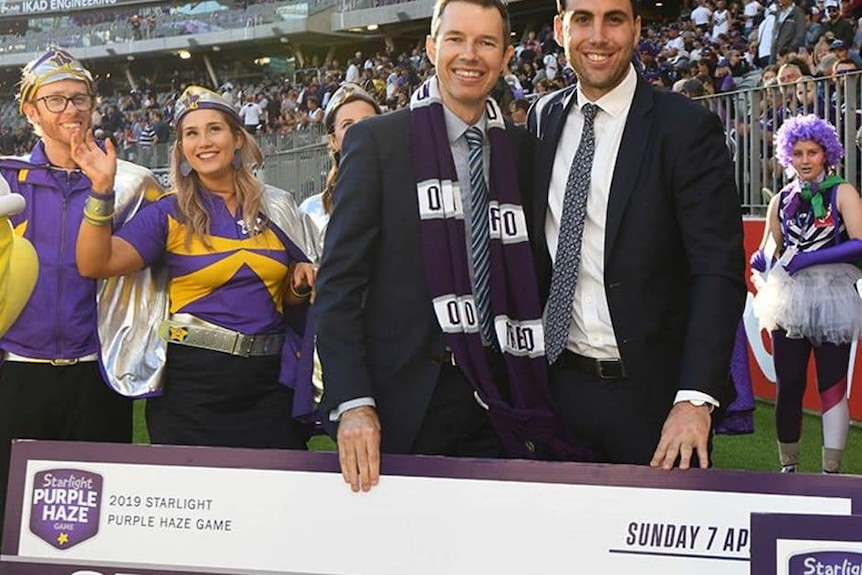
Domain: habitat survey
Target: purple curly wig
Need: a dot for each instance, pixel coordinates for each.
(808, 128)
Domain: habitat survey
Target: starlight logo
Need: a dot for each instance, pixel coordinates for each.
(64, 508)
(826, 563)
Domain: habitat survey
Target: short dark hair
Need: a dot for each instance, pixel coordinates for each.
(521, 104)
(693, 88)
(801, 64)
(844, 62)
(501, 7)
(561, 7)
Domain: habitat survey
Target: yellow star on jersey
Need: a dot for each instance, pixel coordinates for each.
(178, 333)
(63, 538)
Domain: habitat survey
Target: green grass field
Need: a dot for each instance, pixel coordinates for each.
(758, 451)
(755, 452)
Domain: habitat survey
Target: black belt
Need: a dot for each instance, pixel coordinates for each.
(601, 368)
(498, 370)
(448, 356)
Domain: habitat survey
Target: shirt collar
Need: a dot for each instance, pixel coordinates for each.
(455, 126)
(618, 100)
(38, 155)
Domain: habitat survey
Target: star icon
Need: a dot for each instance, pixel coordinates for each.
(191, 101)
(61, 59)
(178, 333)
(63, 538)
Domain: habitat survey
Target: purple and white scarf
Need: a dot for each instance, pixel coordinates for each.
(526, 419)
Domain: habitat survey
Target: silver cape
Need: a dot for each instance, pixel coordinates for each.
(131, 307)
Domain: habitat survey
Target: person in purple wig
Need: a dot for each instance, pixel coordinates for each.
(808, 301)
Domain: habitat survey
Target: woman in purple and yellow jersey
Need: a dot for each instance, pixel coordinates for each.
(232, 267)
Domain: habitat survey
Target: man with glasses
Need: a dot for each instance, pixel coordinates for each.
(51, 386)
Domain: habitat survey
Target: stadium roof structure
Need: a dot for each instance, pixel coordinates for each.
(219, 31)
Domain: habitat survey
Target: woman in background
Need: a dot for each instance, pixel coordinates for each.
(348, 105)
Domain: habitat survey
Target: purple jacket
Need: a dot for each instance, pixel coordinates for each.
(59, 320)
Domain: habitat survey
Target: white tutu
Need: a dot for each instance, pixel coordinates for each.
(819, 303)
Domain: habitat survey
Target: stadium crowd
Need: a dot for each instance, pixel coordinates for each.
(713, 47)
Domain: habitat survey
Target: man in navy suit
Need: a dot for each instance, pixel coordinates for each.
(395, 378)
(648, 332)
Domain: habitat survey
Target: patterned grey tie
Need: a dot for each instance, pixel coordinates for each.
(480, 234)
(565, 276)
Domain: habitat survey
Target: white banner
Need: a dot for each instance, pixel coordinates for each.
(210, 511)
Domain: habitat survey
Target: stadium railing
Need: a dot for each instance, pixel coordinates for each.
(297, 162)
(301, 171)
(751, 118)
(158, 156)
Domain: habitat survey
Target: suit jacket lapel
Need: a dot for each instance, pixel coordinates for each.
(629, 159)
(551, 130)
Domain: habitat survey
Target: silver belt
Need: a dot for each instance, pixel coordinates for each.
(204, 335)
(8, 356)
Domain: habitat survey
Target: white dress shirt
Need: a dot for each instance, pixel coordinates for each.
(591, 333)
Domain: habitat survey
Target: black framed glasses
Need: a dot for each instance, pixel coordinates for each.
(57, 103)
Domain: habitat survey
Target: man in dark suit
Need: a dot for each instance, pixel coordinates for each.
(644, 218)
(406, 344)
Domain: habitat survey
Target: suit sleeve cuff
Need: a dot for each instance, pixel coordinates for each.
(696, 398)
(335, 414)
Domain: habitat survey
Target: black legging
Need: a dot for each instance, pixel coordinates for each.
(791, 366)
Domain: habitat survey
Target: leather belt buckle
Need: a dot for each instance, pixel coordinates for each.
(610, 369)
(63, 362)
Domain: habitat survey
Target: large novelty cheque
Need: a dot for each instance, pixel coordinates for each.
(146, 510)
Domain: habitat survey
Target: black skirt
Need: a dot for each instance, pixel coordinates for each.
(217, 399)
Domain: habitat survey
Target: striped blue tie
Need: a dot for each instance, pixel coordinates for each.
(480, 234)
(566, 265)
